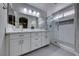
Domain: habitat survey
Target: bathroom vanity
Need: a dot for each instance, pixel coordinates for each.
(24, 32)
(19, 43)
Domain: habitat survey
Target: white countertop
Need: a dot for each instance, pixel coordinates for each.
(23, 30)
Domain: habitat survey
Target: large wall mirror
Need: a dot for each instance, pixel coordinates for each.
(18, 18)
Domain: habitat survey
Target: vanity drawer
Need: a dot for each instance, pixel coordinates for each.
(35, 35)
(34, 40)
(14, 36)
(24, 35)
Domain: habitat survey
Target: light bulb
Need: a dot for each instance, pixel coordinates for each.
(34, 12)
(30, 11)
(38, 14)
(25, 9)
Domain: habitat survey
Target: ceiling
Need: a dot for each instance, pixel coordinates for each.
(43, 6)
(50, 8)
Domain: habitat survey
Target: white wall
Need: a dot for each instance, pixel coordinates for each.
(3, 20)
(42, 23)
(77, 27)
(57, 7)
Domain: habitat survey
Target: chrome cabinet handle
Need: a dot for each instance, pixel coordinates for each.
(58, 27)
(22, 41)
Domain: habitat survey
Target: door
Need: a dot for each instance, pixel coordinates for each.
(15, 47)
(3, 18)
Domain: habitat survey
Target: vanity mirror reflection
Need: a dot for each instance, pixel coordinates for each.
(22, 17)
(11, 19)
(23, 22)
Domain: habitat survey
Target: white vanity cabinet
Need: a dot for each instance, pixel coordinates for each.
(15, 47)
(45, 39)
(35, 40)
(48, 40)
(26, 43)
(18, 44)
(21, 43)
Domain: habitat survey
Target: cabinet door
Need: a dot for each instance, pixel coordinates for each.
(15, 47)
(35, 40)
(44, 39)
(25, 45)
(35, 43)
(48, 40)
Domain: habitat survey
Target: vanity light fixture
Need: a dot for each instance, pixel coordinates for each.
(34, 13)
(30, 11)
(25, 10)
(38, 14)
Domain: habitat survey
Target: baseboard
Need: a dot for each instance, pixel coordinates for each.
(69, 49)
(33, 50)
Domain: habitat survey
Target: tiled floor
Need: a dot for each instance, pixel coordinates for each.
(50, 50)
